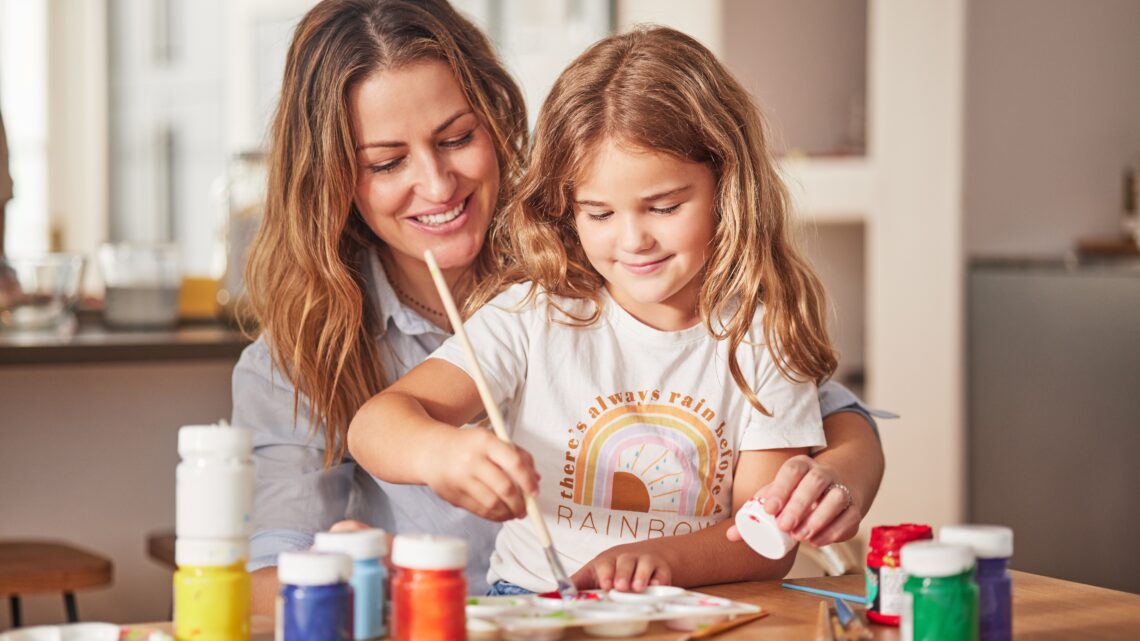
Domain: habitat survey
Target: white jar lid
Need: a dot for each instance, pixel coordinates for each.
(214, 439)
(210, 552)
(759, 530)
(426, 552)
(931, 559)
(987, 541)
(361, 545)
(313, 568)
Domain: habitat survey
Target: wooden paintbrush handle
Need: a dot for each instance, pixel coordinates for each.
(723, 626)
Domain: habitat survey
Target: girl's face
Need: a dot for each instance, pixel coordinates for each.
(428, 177)
(645, 220)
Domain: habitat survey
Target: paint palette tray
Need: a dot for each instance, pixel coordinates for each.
(602, 614)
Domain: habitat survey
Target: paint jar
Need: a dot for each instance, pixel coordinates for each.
(366, 548)
(992, 545)
(429, 589)
(212, 590)
(884, 574)
(940, 596)
(214, 495)
(315, 602)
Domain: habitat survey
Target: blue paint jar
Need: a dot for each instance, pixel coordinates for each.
(315, 602)
(993, 546)
(367, 549)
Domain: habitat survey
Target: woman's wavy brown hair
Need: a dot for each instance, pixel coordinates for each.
(305, 275)
(657, 89)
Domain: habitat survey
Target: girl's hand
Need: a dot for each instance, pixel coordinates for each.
(623, 571)
(476, 471)
(810, 503)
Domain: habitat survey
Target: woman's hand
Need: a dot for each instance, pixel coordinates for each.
(349, 526)
(623, 571)
(810, 502)
(474, 470)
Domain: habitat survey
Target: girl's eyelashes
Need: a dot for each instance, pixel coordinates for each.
(665, 210)
(451, 143)
(599, 216)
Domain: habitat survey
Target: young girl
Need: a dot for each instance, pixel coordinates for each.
(654, 339)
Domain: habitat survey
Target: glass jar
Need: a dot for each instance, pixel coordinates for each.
(243, 198)
(212, 590)
(429, 590)
(940, 596)
(884, 574)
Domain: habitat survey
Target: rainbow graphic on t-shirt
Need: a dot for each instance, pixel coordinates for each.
(648, 458)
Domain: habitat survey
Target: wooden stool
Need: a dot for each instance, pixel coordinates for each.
(28, 567)
(160, 547)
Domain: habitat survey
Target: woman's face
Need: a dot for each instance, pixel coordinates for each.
(428, 177)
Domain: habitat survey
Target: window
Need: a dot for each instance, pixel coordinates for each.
(23, 103)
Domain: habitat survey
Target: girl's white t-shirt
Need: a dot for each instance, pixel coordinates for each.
(634, 431)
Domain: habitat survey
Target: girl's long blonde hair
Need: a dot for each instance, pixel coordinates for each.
(305, 277)
(660, 90)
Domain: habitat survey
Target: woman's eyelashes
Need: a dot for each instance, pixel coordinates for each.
(392, 165)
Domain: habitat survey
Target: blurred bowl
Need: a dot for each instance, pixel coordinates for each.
(39, 292)
(143, 284)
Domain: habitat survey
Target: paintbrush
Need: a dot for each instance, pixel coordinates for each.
(836, 627)
(854, 627)
(565, 587)
(723, 626)
(823, 630)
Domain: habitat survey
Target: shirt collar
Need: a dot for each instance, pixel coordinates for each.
(391, 309)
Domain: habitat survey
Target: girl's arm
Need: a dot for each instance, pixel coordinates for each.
(810, 511)
(699, 558)
(408, 434)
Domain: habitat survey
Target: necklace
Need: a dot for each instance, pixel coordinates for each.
(412, 300)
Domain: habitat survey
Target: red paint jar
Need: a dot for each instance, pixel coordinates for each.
(884, 574)
(429, 589)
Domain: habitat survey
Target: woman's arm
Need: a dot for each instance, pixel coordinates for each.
(295, 496)
(407, 434)
(803, 496)
(700, 558)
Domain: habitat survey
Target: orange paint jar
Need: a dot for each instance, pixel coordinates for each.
(429, 589)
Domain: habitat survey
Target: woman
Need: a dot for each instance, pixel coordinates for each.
(398, 131)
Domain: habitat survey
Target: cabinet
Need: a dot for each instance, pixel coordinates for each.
(1054, 384)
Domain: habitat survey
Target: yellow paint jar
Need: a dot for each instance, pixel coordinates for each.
(212, 591)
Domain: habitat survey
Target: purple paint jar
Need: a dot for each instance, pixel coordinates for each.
(993, 546)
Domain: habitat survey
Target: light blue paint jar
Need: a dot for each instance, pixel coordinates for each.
(367, 548)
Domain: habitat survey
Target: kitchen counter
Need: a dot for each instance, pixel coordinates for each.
(92, 342)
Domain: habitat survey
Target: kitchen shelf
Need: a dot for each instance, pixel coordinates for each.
(830, 189)
(93, 343)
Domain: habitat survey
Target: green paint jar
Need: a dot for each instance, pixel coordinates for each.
(940, 595)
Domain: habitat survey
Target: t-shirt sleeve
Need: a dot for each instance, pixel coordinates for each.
(499, 336)
(795, 419)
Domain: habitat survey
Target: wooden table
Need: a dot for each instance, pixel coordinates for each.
(1044, 609)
